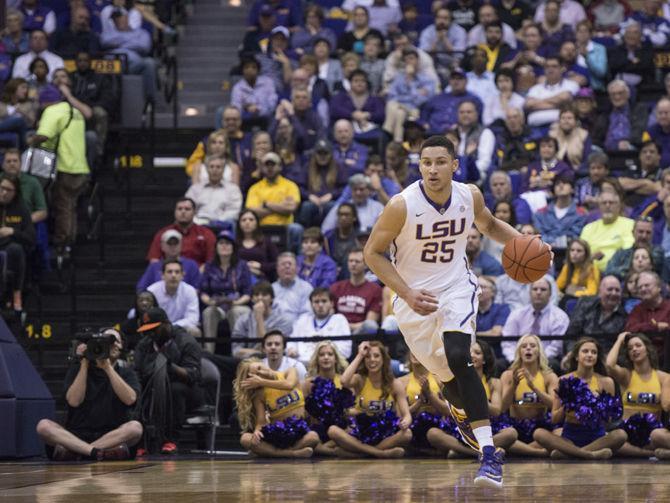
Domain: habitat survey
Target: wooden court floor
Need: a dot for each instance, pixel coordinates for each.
(403, 481)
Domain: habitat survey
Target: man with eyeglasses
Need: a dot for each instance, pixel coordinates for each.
(100, 396)
(609, 233)
(275, 198)
(544, 100)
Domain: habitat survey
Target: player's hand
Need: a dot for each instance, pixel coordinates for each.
(422, 302)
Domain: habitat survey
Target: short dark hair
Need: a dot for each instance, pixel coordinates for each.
(355, 249)
(439, 141)
(313, 233)
(320, 291)
(359, 73)
(549, 139)
(505, 72)
(275, 333)
(183, 199)
(495, 24)
(172, 261)
(651, 142)
(263, 288)
(373, 159)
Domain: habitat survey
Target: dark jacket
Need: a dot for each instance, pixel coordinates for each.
(515, 151)
(182, 350)
(67, 43)
(94, 89)
(638, 115)
(619, 62)
(585, 321)
(17, 216)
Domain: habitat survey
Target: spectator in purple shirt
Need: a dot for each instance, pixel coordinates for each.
(304, 37)
(365, 111)
(320, 186)
(287, 12)
(409, 90)
(254, 95)
(349, 155)
(541, 173)
(491, 317)
(171, 250)
(225, 287)
(136, 45)
(660, 132)
(500, 185)
(314, 266)
(440, 113)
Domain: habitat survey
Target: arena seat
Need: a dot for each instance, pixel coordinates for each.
(207, 416)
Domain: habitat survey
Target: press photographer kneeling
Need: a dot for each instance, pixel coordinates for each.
(100, 396)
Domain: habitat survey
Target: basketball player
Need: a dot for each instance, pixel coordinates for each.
(426, 227)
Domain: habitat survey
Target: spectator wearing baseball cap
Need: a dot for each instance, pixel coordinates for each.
(170, 246)
(286, 12)
(169, 346)
(275, 198)
(440, 113)
(225, 287)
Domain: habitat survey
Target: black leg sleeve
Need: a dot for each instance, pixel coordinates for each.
(470, 388)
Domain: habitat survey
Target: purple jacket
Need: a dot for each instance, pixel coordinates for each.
(322, 274)
(342, 106)
(352, 160)
(441, 111)
(235, 283)
(560, 168)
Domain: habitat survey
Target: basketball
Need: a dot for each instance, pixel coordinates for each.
(526, 259)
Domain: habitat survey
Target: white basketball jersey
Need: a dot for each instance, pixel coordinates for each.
(429, 252)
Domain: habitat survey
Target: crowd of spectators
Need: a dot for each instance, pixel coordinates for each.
(54, 100)
(554, 113)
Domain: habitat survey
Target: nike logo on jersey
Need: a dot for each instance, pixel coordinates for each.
(471, 364)
(419, 214)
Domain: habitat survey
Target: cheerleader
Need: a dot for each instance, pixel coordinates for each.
(483, 359)
(528, 388)
(270, 409)
(575, 440)
(642, 386)
(328, 364)
(375, 431)
(422, 391)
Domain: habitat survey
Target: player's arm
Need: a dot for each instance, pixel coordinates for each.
(385, 230)
(489, 225)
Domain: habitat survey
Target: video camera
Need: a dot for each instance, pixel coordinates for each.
(98, 344)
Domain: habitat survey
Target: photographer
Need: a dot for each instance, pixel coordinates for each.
(101, 396)
(167, 360)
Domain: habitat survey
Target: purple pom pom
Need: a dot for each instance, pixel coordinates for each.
(328, 405)
(639, 428)
(590, 410)
(284, 434)
(420, 426)
(373, 429)
(526, 427)
(499, 423)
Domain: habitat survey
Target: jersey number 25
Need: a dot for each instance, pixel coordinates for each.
(438, 250)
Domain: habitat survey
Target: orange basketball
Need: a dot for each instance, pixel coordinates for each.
(526, 258)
